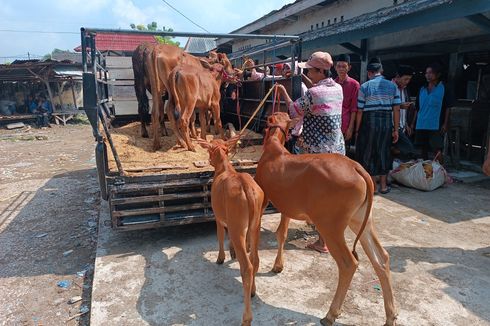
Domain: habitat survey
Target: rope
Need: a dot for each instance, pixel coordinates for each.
(238, 108)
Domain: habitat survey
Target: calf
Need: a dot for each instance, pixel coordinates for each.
(237, 203)
(197, 87)
(332, 192)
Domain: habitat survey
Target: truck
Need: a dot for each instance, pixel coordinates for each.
(152, 200)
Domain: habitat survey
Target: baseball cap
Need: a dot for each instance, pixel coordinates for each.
(320, 60)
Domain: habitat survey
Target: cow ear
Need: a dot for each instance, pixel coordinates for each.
(205, 64)
(293, 122)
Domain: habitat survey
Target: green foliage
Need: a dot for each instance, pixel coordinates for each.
(154, 28)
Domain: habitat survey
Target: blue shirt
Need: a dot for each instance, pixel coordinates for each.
(32, 106)
(378, 94)
(430, 107)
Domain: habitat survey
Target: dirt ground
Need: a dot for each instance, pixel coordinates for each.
(53, 225)
(49, 206)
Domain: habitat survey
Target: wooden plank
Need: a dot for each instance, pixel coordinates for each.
(170, 222)
(123, 92)
(119, 62)
(166, 185)
(147, 199)
(158, 210)
(126, 107)
(122, 83)
(121, 73)
(157, 168)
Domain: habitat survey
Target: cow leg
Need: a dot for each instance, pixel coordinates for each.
(346, 264)
(164, 131)
(246, 271)
(173, 123)
(380, 260)
(184, 126)
(193, 125)
(281, 235)
(203, 123)
(220, 231)
(144, 115)
(155, 125)
(254, 249)
(231, 248)
(217, 121)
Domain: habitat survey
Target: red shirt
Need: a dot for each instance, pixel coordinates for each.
(350, 88)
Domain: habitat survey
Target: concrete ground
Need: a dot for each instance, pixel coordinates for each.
(440, 258)
(49, 211)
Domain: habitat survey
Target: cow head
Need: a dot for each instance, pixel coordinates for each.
(281, 121)
(213, 57)
(220, 71)
(217, 147)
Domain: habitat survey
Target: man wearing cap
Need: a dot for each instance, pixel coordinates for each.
(350, 88)
(321, 110)
(377, 124)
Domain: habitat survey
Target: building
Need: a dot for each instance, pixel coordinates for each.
(456, 33)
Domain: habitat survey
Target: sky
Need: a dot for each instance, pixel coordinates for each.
(67, 16)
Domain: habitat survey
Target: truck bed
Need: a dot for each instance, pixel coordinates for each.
(138, 158)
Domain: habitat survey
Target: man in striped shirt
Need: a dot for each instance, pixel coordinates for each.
(379, 108)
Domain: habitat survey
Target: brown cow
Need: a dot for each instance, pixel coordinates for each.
(332, 192)
(142, 84)
(163, 59)
(198, 87)
(237, 203)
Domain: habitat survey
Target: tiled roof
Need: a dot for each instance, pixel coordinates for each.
(119, 42)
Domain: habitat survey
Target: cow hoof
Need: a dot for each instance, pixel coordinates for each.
(277, 269)
(326, 322)
(232, 254)
(220, 261)
(144, 135)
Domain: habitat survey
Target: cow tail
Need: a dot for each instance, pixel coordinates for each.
(369, 202)
(173, 80)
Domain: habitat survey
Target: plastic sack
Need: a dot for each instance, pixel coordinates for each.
(422, 175)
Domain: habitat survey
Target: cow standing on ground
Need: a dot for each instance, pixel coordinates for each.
(198, 87)
(237, 203)
(332, 192)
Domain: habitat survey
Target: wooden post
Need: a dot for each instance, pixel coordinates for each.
(73, 93)
(59, 93)
(364, 61)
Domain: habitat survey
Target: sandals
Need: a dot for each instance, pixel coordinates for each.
(384, 192)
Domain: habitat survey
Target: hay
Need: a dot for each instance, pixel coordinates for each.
(136, 152)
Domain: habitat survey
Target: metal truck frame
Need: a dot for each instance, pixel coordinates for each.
(158, 200)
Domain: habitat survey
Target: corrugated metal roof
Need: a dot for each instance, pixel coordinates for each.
(374, 18)
(119, 42)
(30, 71)
(200, 45)
(381, 16)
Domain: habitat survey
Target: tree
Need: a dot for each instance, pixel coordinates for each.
(154, 28)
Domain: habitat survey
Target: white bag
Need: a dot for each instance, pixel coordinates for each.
(412, 174)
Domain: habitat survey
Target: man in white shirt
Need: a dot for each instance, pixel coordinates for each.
(404, 146)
